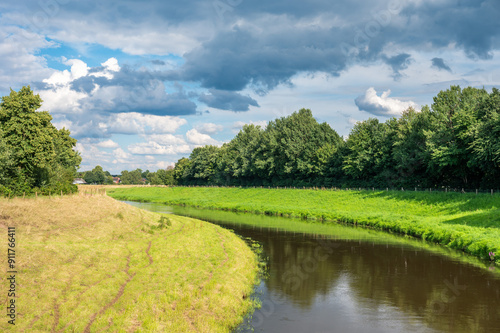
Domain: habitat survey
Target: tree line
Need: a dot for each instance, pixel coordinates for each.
(453, 143)
(34, 155)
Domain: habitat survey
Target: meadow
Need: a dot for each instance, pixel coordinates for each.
(462, 221)
(88, 263)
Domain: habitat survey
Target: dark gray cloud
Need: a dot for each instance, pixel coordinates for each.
(158, 62)
(227, 100)
(262, 44)
(268, 53)
(398, 63)
(241, 57)
(439, 64)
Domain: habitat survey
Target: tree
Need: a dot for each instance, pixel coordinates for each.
(180, 168)
(7, 162)
(409, 148)
(368, 152)
(298, 140)
(485, 146)
(237, 158)
(42, 155)
(203, 165)
(132, 177)
(448, 142)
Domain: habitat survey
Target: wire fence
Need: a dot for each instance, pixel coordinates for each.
(359, 189)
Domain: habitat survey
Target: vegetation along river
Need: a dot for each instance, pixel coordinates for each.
(335, 278)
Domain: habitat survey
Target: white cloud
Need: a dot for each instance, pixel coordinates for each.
(108, 144)
(163, 164)
(197, 138)
(165, 139)
(19, 62)
(237, 125)
(110, 66)
(383, 105)
(120, 153)
(138, 123)
(209, 128)
(153, 148)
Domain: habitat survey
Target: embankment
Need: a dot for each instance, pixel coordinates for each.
(93, 264)
(466, 222)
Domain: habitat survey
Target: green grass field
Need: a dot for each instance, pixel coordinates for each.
(465, 222)
(93, 264)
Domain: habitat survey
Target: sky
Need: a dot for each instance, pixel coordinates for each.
(140, 84)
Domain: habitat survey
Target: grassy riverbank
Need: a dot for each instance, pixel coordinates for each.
(91, 264)
(464, 222)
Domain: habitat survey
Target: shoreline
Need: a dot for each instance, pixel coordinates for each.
(451, 220)
(93, 263)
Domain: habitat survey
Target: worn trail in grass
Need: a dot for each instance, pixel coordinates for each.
(465, 222)
(90, 264)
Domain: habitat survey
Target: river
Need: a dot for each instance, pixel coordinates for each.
(335, 278)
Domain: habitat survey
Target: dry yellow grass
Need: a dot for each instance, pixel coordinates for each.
(92, 264)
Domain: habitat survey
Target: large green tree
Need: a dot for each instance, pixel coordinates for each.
(368, 152)
(485, 146)
(409, 148)
(449, 140)
(40, 154)
(302, 146)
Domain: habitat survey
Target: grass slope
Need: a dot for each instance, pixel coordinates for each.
(460, 221)
(92, 264)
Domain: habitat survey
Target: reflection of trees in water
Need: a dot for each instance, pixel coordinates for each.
(418, 283)
(449, 296)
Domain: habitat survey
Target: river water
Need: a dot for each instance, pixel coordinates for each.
(334, 278)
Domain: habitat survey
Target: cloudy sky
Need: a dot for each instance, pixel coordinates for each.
(141, 83)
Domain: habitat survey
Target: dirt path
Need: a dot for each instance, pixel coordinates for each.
(114, 300)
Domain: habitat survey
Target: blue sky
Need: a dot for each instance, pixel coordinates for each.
(142, 83)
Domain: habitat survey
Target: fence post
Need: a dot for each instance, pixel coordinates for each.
(476, 191)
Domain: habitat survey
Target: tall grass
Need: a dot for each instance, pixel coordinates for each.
(92, 264)
(466, 222)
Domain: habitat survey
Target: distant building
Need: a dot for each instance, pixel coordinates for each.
(79, 181)
(116, 180)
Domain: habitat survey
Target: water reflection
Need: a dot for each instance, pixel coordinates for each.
(354, 280)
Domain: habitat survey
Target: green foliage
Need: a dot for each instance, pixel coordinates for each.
(33, 153)
(453, 143)
(163, 223)
(131, 177)
(368, 150)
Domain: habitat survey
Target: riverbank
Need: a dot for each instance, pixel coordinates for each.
(89, 263)
(465, 222)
